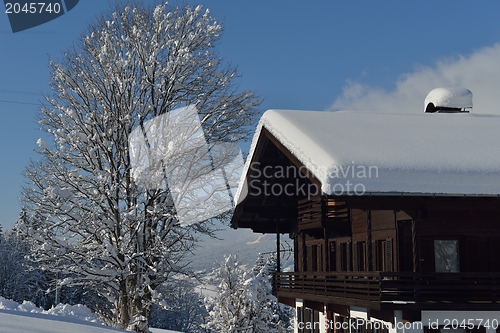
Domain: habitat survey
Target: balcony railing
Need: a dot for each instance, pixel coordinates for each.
(390, 290)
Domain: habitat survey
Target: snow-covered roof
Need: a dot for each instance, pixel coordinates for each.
(429, 154)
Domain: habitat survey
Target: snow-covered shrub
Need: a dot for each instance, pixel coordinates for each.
(244, 302)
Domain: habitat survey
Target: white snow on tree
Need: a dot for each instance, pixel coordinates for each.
(182, 309)
(283, 315)
(88, 219)
(21, 279)
(230, 311)
(244, 302)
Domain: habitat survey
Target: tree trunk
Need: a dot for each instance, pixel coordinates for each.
(139, 307)
(123, 305)
(142, 313)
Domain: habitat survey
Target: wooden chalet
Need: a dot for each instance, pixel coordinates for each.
(395, 218)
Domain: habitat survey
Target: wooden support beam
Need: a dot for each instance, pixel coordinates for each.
(385, 315)
(342, 310)
(287, 301)
(414, 242)
(369, 247)
(278, 249)
(318, 306)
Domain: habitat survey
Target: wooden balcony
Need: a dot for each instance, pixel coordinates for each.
(391, 291)
(321, 212)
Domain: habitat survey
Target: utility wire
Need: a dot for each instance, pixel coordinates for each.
(22, 92)
(19, 92)
(16, 102)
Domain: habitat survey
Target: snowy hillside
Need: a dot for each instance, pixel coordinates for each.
(26, 318)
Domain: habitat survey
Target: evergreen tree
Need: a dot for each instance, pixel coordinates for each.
(260, 264)
(244, 302)
(182, 308)
(21, 279)
(282, 315)
(230, 310)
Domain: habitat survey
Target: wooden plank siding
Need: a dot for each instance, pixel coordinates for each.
(372, 257)
(383, 220)
(475, 233)
(358, 221)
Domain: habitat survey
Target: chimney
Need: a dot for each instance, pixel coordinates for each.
(448, 100)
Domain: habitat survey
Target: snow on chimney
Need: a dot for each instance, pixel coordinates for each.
(448, 100)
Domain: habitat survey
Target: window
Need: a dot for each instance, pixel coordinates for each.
(344, 262)
(333, 257)
(359, 256)
(340, 326)
(308, 259)
(308, 320)
(383, 255)
(314, 258)
(380, 255)
(318, 257)
(316, 322)
(446, 256)
(362, 266)
(389, 255)
(305, 259)
(300, 319)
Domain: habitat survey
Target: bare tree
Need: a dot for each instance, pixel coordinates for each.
(89, 218)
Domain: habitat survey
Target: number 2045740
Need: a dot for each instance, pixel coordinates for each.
(470, 324)
(32, 7)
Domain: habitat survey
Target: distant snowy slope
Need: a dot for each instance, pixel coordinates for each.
(242, 242)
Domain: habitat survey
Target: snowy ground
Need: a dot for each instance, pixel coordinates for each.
(25, 322)
(26, 318)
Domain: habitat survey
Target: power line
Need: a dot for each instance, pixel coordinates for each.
(19, 92)
(16, 102)
(22, 92)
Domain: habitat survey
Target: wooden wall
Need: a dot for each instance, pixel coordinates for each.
(388, 242)
(478, 234)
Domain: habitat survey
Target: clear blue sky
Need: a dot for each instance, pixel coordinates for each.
(316, 55)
